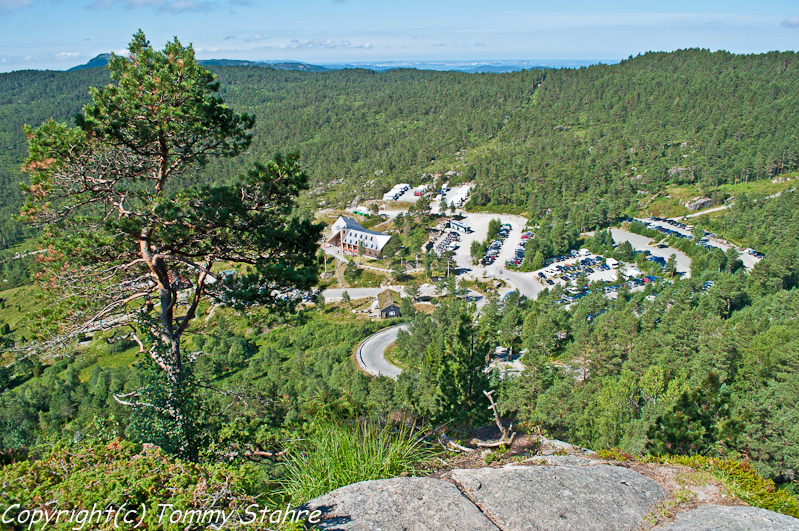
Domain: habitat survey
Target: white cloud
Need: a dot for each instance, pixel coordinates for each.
(321, 43)
(163, 6)
(8, 5)
(182, 6)
(100, 4)
(254, 38)
(66, 55)
(791, 22)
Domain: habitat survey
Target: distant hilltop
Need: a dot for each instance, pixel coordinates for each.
(103, 58)
(471, 67)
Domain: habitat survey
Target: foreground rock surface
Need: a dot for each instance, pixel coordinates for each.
(417, 504)
(600, 497)
(552, 493)
(726, 518)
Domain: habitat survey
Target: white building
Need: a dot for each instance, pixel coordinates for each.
(350, 235)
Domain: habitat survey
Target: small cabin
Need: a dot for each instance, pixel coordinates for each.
(389, 303)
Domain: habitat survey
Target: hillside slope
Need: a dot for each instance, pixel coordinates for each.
(532, 140)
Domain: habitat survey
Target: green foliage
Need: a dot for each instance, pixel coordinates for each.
(597, 135)
(496, 455)
(582, 147)
(448, 353)
(614, 454)
(494, 225)
(639, 228)
(742, 480)
(477, 250)
(602, 373)
(58, 404)
(336, 454)
(772, 427)
(351, 271)
(168, 414)
(556, 235)
(97, 475)
(699, 422)
(738, 475)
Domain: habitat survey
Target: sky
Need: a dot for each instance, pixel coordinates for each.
(60, 34)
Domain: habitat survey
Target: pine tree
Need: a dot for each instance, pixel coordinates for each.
(700, 422)
(127, 227)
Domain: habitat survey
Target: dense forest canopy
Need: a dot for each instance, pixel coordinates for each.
(533, 140)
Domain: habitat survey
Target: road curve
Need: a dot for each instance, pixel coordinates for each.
(370, 353)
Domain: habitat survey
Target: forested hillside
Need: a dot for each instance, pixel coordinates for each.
(533, 140)
(598, 134)
(32, 97)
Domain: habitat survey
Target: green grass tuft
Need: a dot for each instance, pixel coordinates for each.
(336, 455)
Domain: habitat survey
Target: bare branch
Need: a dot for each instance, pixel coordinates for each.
(449, 443)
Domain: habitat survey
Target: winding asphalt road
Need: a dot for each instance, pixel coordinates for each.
(370, 353)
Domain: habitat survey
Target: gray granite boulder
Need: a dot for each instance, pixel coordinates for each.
(413, 504)
(731, 518)
(562, 460)
(549, 498)
(699, 203)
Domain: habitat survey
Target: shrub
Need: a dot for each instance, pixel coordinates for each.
(129, 483)
(742, 480)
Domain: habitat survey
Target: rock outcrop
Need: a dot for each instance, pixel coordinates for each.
(703, 202)
(726, 518)
(561, 497)
(418, 504)
(546, 493)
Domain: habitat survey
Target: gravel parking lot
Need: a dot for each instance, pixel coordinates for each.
(641, 243)
(749, 261)
(526, 283)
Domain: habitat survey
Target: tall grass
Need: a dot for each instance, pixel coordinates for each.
(336, 455)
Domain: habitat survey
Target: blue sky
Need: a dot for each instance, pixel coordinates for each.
(59, 34)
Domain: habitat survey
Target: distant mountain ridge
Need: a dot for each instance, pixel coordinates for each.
(470, 67)
(104, 58)
(100, 60)
(474, 67)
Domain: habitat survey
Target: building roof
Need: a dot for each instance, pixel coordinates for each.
(343, 222)
(356, 233)
(387, 298)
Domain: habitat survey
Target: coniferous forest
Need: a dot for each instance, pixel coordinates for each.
(684, 367)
